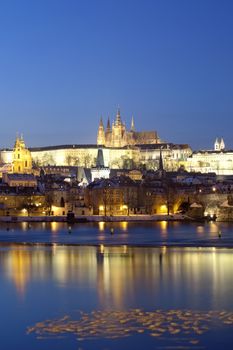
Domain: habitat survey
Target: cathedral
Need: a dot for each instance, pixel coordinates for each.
(118, 136)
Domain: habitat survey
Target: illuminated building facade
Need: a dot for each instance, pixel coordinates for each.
(119, 136)
(21, 158)
(115, 196)
(219, 160)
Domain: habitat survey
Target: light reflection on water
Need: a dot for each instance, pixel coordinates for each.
(121, 272)
(124, 279)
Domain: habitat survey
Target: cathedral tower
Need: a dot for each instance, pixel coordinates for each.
(118, 132)
(101, 134)
(132, 124)
(108, 134)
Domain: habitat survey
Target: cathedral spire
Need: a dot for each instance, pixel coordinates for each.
(118, 117)
(160, 160)
(101, 122)
(132, 124)
(108, 129)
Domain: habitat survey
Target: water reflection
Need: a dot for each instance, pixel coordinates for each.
(18, 268)
(55, 227)
(120, 274)
(164, 226)
(200, 229)
(121, 233)
(101, 226)
(214, 228)
(124, 225)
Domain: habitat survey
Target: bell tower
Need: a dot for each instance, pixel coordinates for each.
(22, 160)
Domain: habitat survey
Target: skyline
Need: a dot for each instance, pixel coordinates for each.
(167, 64)
(128, 125)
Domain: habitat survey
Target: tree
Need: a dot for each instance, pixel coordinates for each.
(62, 202)
(28, 205)
(48, 202)
(169, 189)
(47, 159)
(72, 160)
(87, 161)
(128, 163)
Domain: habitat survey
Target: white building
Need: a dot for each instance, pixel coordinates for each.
(218, 161)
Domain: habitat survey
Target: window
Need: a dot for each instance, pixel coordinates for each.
(18, 156)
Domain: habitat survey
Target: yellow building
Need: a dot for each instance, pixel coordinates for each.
(22, 160)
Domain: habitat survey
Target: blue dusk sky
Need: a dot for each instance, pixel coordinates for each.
(63, 63)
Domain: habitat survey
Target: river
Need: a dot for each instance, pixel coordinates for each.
(115, 294)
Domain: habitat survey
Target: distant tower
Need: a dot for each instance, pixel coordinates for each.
(216, 145)
(108, 134)
(100, 170)
(101, 134)
(222, 144)
(160, 160)
(161, 172)
(22, 160)
(219, 144)
(100, 159)
(132, 124)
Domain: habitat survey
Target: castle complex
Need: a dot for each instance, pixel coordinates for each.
(121, 149)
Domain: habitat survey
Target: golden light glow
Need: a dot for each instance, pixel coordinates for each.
(200, 229)
(164, 225)
(54, 227)
(124, 225)
(163, 209)
(57, 210)
(164, 249)
(101, 225)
